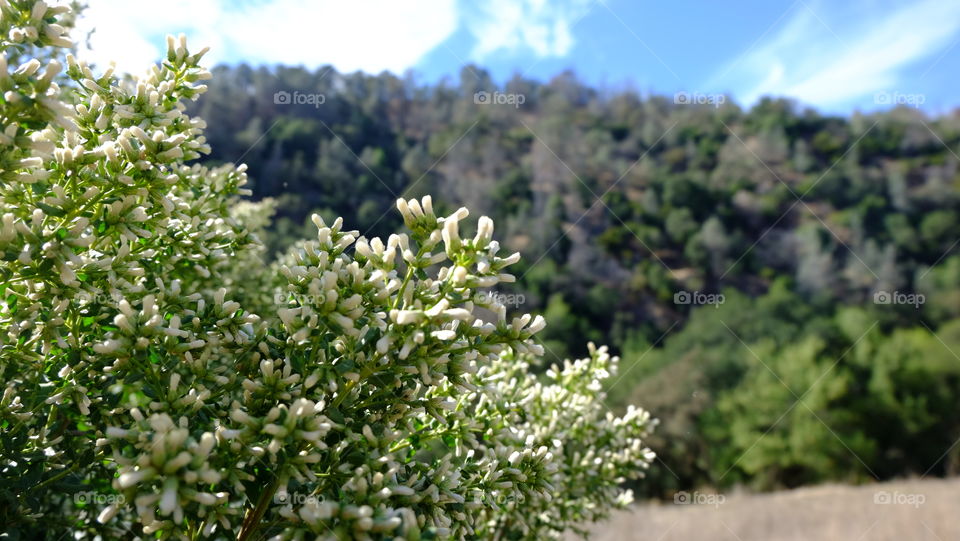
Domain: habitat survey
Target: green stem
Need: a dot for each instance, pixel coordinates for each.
(63, 473)
(364, 374)
(403, 445)
(346, 390)
(51, 417)
(411, 269)
(403, 286)
(252, 522)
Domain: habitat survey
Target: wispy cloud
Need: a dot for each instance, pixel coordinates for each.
(833, 55)
(537, 27)
(828, 59)
(368, 35)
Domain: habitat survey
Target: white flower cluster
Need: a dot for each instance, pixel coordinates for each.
(144, 354)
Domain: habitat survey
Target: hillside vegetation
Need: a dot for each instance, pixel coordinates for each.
(784, 286)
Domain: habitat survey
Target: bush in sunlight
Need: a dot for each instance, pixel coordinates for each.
(159, 379)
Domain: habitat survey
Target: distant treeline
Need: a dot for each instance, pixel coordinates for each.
(784, 286)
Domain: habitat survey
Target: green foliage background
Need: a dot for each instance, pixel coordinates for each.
(618, 202)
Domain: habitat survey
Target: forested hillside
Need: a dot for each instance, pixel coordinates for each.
(784, 286)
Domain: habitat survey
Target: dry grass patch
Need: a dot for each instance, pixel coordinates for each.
(916, 510)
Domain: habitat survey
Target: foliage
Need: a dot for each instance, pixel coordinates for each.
(160, 380)
(637, 195)
(769, 393)
(619, 201)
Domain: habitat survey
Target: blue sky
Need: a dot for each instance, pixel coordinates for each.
(832, 55)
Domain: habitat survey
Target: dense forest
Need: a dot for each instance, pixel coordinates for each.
(784, 286)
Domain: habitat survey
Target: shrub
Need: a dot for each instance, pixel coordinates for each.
(159, 379)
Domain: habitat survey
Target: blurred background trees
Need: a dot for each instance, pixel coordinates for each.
(619, 201)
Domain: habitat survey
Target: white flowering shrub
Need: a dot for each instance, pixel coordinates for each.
(159, 380)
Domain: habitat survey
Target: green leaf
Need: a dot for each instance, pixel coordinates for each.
(51, 210)
(335, 415)
(344, 366)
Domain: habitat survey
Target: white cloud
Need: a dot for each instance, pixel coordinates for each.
(545, 29)
(369, 35)
(131, 33)
(831, 63)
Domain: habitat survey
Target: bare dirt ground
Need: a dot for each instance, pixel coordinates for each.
(917, 510)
